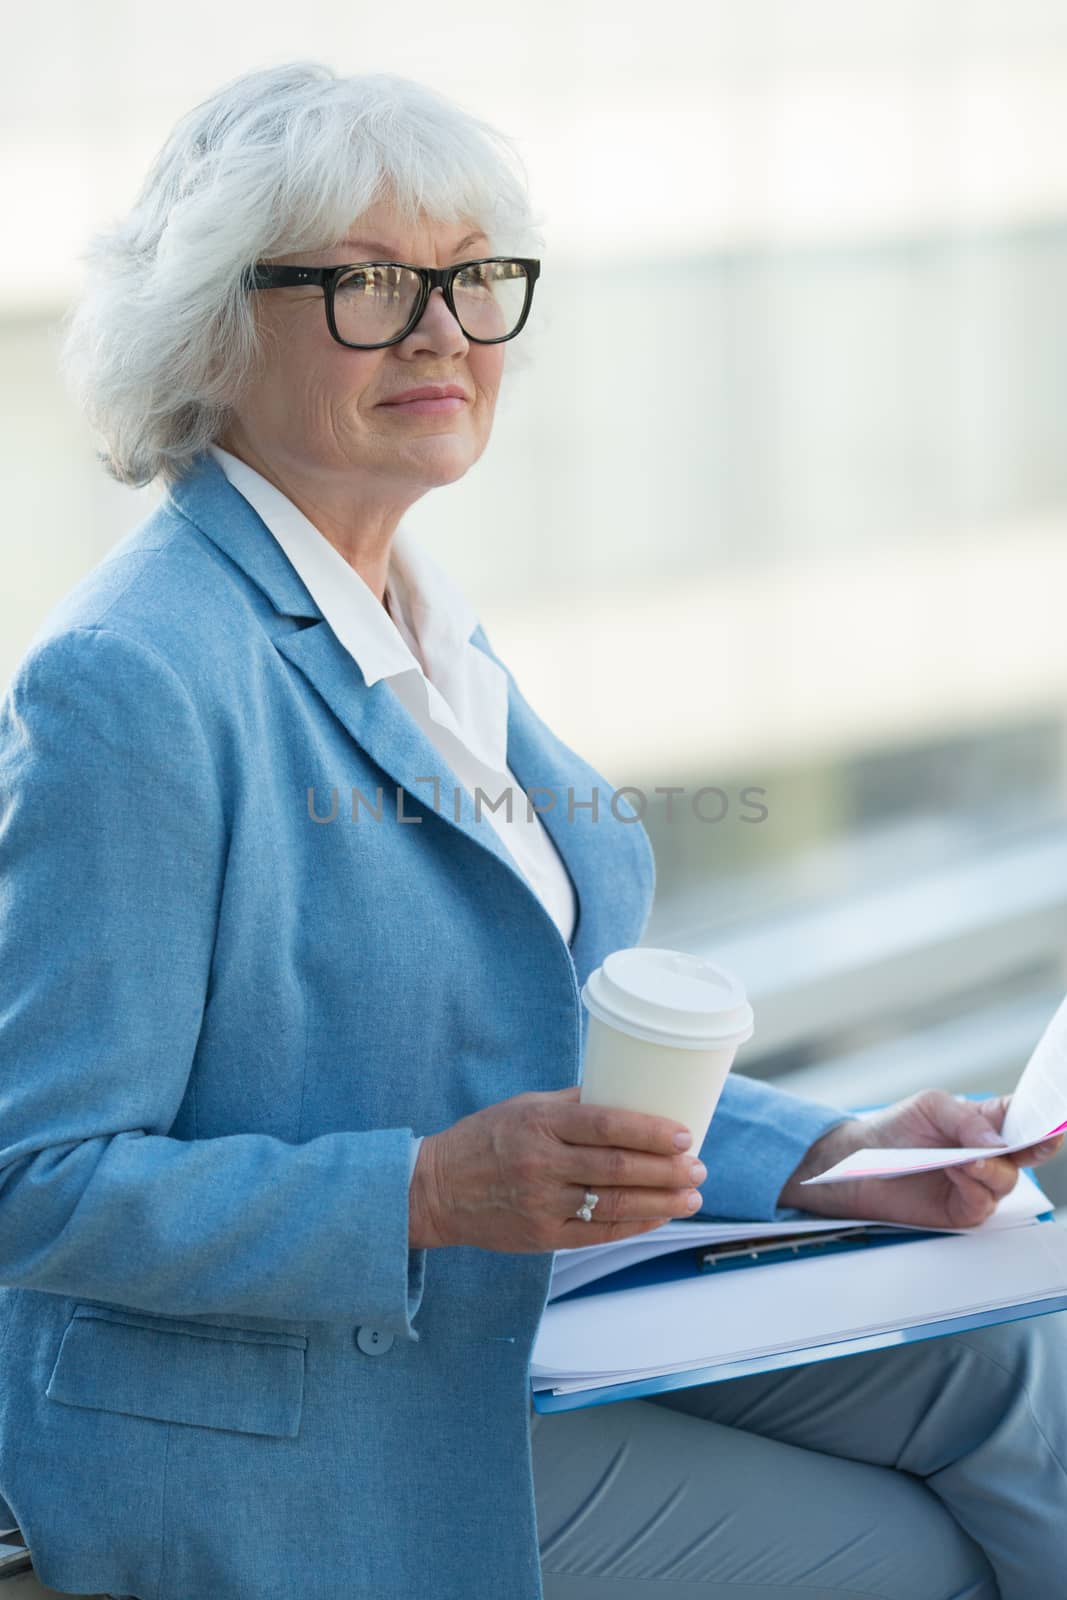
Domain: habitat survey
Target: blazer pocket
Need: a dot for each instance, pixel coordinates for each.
(242, 1379)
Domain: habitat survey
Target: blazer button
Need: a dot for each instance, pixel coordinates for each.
(373, 1341)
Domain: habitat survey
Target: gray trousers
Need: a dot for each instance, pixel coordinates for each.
(930, 1471)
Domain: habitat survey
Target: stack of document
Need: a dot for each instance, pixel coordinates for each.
(639, 1334)
(573, 1269)
(706, 1318)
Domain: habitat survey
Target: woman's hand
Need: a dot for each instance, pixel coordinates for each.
(953, 1197)
(511, 1177)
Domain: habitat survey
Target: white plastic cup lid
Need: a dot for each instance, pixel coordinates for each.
(669, 997)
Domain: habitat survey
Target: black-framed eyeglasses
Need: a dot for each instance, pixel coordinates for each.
(371, 304)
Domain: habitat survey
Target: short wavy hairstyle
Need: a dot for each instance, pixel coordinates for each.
(160, 343)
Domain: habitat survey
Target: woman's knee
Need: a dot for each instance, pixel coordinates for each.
(1017, 1368)
(1030, 1350)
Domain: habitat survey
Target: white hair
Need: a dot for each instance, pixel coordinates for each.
(163, 337)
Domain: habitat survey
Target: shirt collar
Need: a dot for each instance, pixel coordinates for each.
(465, 691)
(437, 609)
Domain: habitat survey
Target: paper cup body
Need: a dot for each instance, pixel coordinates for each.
(664, 1028)
(636, 1075)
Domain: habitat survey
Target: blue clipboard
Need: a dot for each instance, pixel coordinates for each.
(687, 1264)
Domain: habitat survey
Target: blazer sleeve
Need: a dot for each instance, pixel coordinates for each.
(113, 846)
(757, 1138)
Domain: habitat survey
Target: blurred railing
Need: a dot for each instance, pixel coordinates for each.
(934, 976)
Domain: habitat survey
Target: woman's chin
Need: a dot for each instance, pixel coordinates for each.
(442, 460)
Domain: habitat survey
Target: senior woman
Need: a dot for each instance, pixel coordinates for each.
(290, 1031)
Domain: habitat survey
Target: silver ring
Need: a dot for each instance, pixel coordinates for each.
(585, 1211)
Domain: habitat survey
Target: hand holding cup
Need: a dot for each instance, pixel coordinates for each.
(512, 1176)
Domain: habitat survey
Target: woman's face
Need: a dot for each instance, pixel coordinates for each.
(316, 412)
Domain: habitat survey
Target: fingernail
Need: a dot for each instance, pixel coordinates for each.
(683, 1140)
(692, 1199)
(697, 1171)
(989, 1137)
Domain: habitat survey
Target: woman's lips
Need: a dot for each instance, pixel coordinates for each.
(450, 402)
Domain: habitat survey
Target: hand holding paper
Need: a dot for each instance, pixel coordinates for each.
(1038, 1111)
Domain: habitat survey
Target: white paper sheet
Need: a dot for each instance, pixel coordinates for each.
(572, 1269)
(696, 1322)
(1038, 1111)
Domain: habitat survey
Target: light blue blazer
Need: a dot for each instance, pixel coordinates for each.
(225, 1374)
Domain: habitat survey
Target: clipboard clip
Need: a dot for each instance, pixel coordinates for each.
(740, 1252)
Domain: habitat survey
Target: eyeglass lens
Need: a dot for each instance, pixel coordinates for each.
(375, 303)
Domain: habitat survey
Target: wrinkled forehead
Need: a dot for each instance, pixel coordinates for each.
(382, 233)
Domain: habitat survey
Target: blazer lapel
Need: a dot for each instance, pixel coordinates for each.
(206, 498)
(374, 717)
(384, 730)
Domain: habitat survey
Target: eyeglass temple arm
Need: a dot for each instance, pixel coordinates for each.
(265, 277)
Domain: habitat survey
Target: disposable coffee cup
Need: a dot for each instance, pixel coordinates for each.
(664, 1028)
